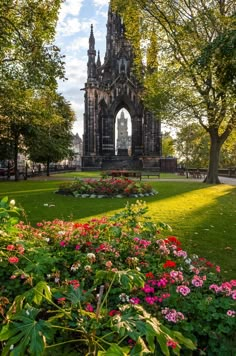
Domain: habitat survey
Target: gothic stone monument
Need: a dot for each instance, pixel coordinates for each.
(110, 87)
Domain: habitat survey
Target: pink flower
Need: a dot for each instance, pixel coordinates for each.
(89, 308)
(180, 253)
(183, 290)
(148, 289)
(151, 300)
(172, 315)
(233, 294)
(197, 281)
(10, 247)
(108, 264)
(218, 269)
(134, 300)
(216, 288)
(172, 344)
(13, 259)
(77, 247)
(62, 243)
(177, 275)
(231, 313)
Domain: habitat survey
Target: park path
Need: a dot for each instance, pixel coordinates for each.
(224, 180)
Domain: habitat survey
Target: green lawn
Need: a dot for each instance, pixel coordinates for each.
(203, 217)
(97, 174)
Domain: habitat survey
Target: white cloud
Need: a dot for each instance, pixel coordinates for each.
(70, 8)
(100, 2)
(68, 27)
(101, 13)
(78, 44)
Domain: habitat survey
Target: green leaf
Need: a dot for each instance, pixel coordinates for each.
(115, 350)
(41, 289)
(4, 200)
(140, 348)
(25, 333)
(116, 231)
(183, 340)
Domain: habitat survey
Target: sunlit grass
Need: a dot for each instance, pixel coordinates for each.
(203, 217)
(97, 174)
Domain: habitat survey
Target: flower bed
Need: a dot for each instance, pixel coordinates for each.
(113, 286)
(106, 188)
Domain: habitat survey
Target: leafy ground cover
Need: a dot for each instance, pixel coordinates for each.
(110, 286)
(106, 188)
(203, 217)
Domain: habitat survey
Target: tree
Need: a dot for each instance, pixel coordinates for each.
(29, 63)
(228, 152)
(52, 141)
(196, 76)
(192, 146)
(168, 149)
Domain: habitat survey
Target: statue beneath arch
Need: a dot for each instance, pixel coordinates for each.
(111, 87)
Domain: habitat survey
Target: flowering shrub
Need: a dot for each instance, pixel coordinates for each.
(112, 286)
(106, 187)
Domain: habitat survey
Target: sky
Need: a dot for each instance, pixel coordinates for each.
(72, 36)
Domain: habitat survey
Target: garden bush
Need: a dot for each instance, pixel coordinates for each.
(113, 286)
(106, 188)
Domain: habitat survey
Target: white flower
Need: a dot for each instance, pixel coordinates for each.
(11, 347)
(88, 268)
(124, 297)
(12, 202)
(61, 232)
(91, 256)
(188, 261)
(27, 312)
(57, 280)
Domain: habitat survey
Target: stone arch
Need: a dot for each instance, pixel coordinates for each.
(136, 114)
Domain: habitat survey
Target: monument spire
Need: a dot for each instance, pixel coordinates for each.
(91, 57)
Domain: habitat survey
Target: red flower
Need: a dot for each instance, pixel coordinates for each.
(114, 312)
(169, 264)
(172, 344)
(13, 259)
(74, 283)
(61, 300)
(173, 239)
(10, 247)
(150, 275)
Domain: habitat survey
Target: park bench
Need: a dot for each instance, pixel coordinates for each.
(151, 172)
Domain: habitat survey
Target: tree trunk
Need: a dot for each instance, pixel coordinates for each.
(212, 174)
(16, 140)
(48, 169)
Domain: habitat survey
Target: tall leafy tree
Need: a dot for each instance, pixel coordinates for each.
(192, 146)
(52, 141)
(196, 73)
(29, 63)
(168, 145)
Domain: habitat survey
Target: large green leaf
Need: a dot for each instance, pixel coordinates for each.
(140, 348)
(115, 350)
(25, 333)
(41, 289)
